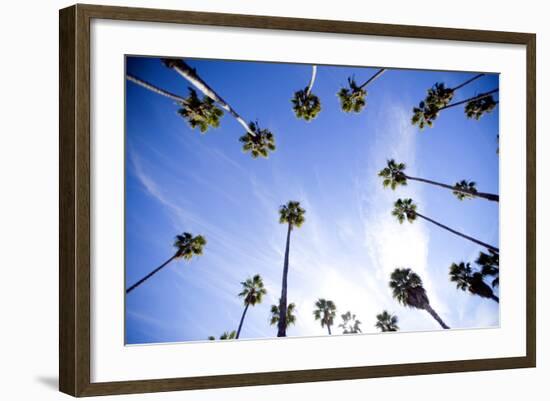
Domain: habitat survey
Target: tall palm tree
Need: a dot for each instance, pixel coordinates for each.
(386, 321)
(325, 312)
(407, 289)
(253, 292)
(393, 176)
(290, 316)
(405, 209)
(352, 99)
(466, 279)
(227, 335)
(489, 264)
(186, 246)
(291, 214)
(350, 324)
(306, 105)
(259, 144)
(199, 113)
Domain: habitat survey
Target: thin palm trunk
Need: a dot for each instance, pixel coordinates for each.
(282, 303)
(329, 332)
(434, 314)
(312, 79)
(155, 89)
(472, 99)
(150, 274)
(467, 82)
(490, 247)
(182, 68)
(242, 320)
(371, 79)
(484, 195)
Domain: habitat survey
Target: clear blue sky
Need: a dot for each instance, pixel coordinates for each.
(179, 180)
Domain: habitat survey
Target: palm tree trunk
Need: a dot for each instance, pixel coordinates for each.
(483, 95)
(429, 309)
(242, 320)
(190, 75)
(150, 274)
(378, 73)
(495, 298)
(282, 303)
(484, 195)
(467, 82)
(329, 332)
(155, 89)
(490, 247)
(312, 80)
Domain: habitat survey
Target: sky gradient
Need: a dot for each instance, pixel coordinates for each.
(179, 180)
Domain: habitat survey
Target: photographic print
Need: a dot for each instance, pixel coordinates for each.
(267, 200)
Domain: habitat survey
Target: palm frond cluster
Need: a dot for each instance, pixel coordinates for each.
(306, 105)
(200, 113)
(259, 144)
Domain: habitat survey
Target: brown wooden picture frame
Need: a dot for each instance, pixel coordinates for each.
(74, 203)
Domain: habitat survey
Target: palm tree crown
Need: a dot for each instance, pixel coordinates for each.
(292, 213)
(404, 209)
(464, 185)
(393, 175)
(188, 246)
(386, 321)
(290, 317)
(466, 279)
(350, 324)
(259, 144)
(199, 113)
(407, 288)
(478, 107)
(325, 312)
(253, 290)
(352, 99)
(489, 264)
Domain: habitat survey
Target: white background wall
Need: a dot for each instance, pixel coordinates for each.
(28, 204)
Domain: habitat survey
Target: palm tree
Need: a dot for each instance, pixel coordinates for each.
(199, 113)
(466, 279)
(325, 312)
(407, 289)
(186, 246)
(489, 264)
(386, 321)
(190, 74)
(350, 325)
(227, 335)
(305, 104)
(259, 144)
(353, 99)
(393, 176)
(293, 215)
(253, 292)
(478, 107)
(405, 209)
(290, 317)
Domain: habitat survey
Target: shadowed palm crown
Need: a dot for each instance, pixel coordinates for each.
(290, 317)
(199, 113)
(489, 264)
(352, 99)
(465, 185)
(393, 175)
(188, 246)
(404, 209)
(386, 321)
(325, 312)
(350, 324)
(407, 288)
(427, 111)
(466, 279)
(305, 105)
(259, 144)
(477, 108)
(292, 213)
(253, 290)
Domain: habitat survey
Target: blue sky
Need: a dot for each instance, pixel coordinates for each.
(179, 180)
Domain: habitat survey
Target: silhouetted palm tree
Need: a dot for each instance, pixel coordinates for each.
(199, 113)
(186, 246)
(352, 99)
(325, 312)
(478, 107)
(393, 176)
(290, 316)
(405, 209)
(253, 292)
(227, 335)
(386, 321)
(489, 264)
(306, 105)
(466, 279)
(350, 324)
(259, 144)
(291, 214)
(407, 289)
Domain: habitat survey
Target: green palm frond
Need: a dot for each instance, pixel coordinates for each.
(404, 209)
(292, 213)
(393, 175)
(407, 288)
(260, 144)
(478, 108)
(386, 321)
(253, 290)
(325, 312)
(465, 186)
(201, 114)
(352, 99)
(290, 316)
(306, 106)
(188, 246)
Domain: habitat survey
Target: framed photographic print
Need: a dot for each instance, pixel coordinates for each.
(250, 200)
